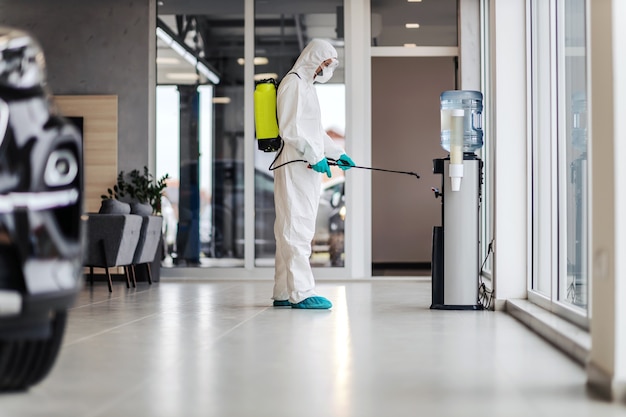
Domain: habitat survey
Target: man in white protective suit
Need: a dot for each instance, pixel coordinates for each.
(297, 185)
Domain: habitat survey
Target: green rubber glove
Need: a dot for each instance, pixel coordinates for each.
(345, 162)
(323, 167)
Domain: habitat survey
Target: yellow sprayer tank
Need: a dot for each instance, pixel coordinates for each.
(266, 123)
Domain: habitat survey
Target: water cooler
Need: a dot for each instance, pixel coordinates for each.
(455, 252)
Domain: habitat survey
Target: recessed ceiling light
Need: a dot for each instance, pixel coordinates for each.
(412, 25)
(182, 76)
(221, 100)
(258, 60)
(167, 60)
(414, 1)
(410, 45)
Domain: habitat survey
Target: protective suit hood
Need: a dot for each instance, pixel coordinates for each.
(316, 52)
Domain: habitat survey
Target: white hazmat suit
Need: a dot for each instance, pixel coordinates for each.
(296, 186)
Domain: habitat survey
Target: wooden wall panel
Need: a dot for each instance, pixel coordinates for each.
(100, 127)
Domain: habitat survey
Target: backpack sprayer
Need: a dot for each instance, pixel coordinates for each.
(268, 137)
(267, 133)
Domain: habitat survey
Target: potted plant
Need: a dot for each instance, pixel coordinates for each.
(138, 187)
(141, 192)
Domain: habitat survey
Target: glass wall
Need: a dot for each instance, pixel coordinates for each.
(559, 157)
(280, 34)
(200, 129)
(543, 146)
(572, 103)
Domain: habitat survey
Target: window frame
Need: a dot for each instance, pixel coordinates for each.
(555, 214)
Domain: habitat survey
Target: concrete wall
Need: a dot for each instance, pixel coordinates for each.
(406, 137)
(94, 47)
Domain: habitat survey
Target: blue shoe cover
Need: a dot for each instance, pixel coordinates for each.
(282, 303)
(317, 303)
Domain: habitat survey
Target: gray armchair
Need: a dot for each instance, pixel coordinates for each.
(149, 240)
(111, 240)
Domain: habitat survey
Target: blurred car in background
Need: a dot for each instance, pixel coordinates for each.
(40, 209)
(329, 225)
(221, 223)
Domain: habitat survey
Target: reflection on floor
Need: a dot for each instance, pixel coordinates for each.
(218, 348)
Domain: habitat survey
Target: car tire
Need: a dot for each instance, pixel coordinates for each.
(25, 362)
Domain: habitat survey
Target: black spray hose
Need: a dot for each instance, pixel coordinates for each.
(334, 162)
(378, 169)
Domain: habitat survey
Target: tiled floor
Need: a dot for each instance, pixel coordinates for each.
(185, 349)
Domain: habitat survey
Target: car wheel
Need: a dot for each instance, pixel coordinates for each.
(26, 361)
(336, 248)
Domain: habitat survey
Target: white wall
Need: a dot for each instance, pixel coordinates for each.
(406, 137)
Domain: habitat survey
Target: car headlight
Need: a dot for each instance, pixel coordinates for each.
(61, 168)
(342, 213)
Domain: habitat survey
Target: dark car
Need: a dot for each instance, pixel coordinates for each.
(329, 225)
(224, 235)
(336, 227)
(40, 209)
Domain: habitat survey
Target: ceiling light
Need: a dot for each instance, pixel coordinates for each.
(258, 60)
(187, 76)
(412, 25)
(265, 75)
(410, 45)
(221, 100)
(414, 1)
(167, 60)
(185, 52)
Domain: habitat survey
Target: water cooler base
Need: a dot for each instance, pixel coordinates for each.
(455, 307)
(438, 301)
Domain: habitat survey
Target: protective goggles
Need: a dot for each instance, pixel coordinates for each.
(334, 63)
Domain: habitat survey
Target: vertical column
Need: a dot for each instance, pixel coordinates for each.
(606, 369)
(250, 145)
(509, 136)
(188, 237)
(358, 243)
(469, 44)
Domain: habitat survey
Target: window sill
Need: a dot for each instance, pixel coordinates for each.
(571, 339)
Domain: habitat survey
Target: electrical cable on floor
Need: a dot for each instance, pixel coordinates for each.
(485, 295)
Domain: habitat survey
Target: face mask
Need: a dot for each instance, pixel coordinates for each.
(324, 75)
(327, 72)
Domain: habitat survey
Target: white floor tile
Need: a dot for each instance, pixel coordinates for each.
(219, 349)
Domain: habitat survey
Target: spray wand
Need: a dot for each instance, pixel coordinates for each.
(335, 163)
